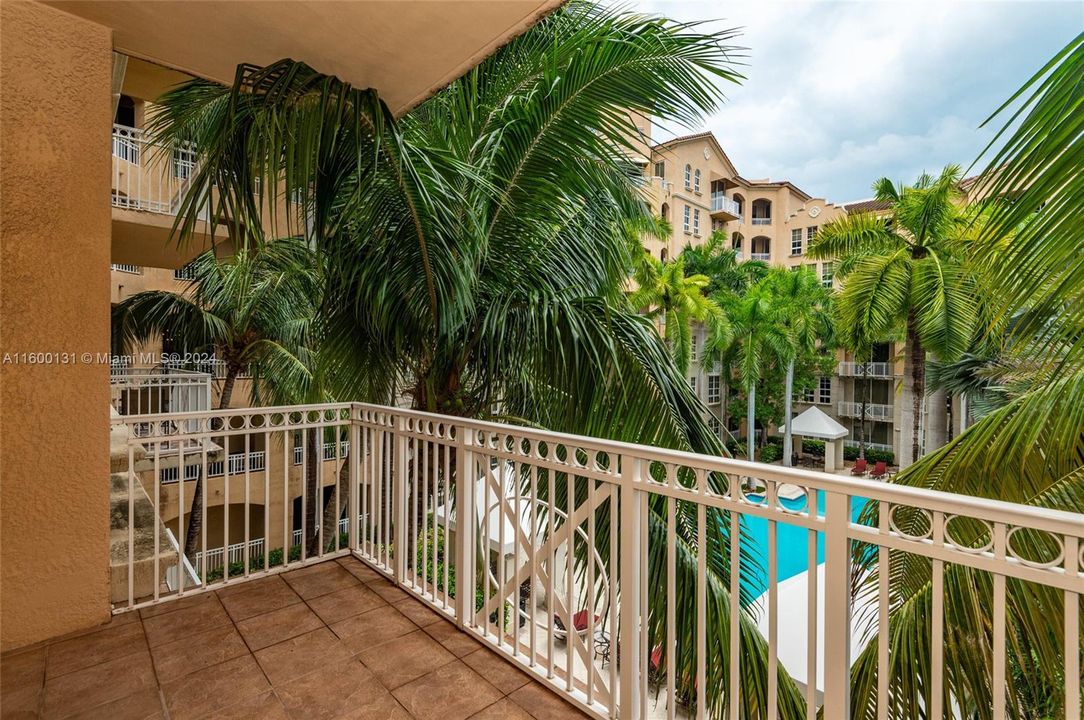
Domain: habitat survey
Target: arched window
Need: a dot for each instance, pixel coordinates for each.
(696, 180)
(760, 248)
(736, 241)
(688, 176)
(663, 255)
(664, 212)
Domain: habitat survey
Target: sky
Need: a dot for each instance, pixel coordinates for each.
(838, 94)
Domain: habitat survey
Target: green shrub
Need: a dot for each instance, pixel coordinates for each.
(872, 455)
(255, 563)
(851, 453)
(813, 447)
(770, 453)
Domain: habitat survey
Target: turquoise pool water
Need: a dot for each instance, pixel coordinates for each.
(792, 543)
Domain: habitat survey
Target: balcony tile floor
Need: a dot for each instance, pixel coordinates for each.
(328, 641)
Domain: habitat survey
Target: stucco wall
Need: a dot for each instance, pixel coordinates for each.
(54, 297)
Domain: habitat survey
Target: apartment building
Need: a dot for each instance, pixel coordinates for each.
(693, 185)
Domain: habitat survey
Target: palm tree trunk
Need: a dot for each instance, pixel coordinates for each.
(866, 389)
(195, 511)
(334, 510)
(751, 420)
(918, 385)
(788, 443)
(313, 458)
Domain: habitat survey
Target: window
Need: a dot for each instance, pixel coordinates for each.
(188, 272)
(714, 389)
(826, 274)
(660, 169)
(808, 395)
(696, 221)
(184, 162)
(688, 176)
(696, 180)
(810, 233)
(824, 392)
(714, 425)
(736, 241)
(663, 255)
(685, 219)
(692, 383)
(796, 241)
(694, 347)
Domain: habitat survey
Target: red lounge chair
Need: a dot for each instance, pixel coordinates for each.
(879, 470)
(860, 467)
(579, 624)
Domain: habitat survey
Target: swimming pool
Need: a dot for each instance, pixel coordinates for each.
(791, 542)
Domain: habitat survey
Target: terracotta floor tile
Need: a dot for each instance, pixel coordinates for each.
(543, 704)
(503, 709)
(169, 606)
(264, 596)
(406, 658)
(23, 669)
(346, 691)
(19, 703)
(360, 570)
(390, 592)
(373, 627)
(456, 642)
(203, 614)
(505, 676)
(452, 692)
(265, 706)
(345, 603)
(273, 627)
(419, 614)
(320, 580)
(203, 694)
(143, 705)
(318, 650)
(84, 690)
(237, 585)
(199, 650)
(94, 648)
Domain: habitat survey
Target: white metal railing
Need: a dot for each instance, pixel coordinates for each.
(867, 369)
(124, 268)
(760, 256)
(188, 272)
(762, 221)
(329, 451)
(548, 537)
(870, 445)
(145, 390)
(877, 411)
(214, 367)
(721, 203)
(236, 554)
(149, 177)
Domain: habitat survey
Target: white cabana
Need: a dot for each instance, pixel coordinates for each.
(502, 534)
(815, 423)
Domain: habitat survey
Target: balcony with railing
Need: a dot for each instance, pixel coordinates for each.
(724, 208)
(766, 257)
(867, 369)
(148, 177)
(874, 411)
(562, 556)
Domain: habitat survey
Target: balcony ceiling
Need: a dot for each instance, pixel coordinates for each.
(406, 50)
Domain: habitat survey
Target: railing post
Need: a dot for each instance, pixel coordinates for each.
(464, 528)
(837, 607)
(353, 456)
(399, 508)
(629, 628)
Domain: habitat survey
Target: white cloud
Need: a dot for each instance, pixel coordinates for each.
(840, 93)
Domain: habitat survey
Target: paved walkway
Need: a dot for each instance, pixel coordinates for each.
(326, 642)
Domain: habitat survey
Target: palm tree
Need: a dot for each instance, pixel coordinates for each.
(477, 249)
(719, 262)
(760, 337)
(1028, 448)
(253, 310)
(665, 290)
(907, 270)
(806, 310)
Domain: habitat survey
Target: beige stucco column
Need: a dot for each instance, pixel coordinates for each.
(54, 298)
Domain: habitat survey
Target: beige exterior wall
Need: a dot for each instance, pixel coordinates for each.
(54, 430)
